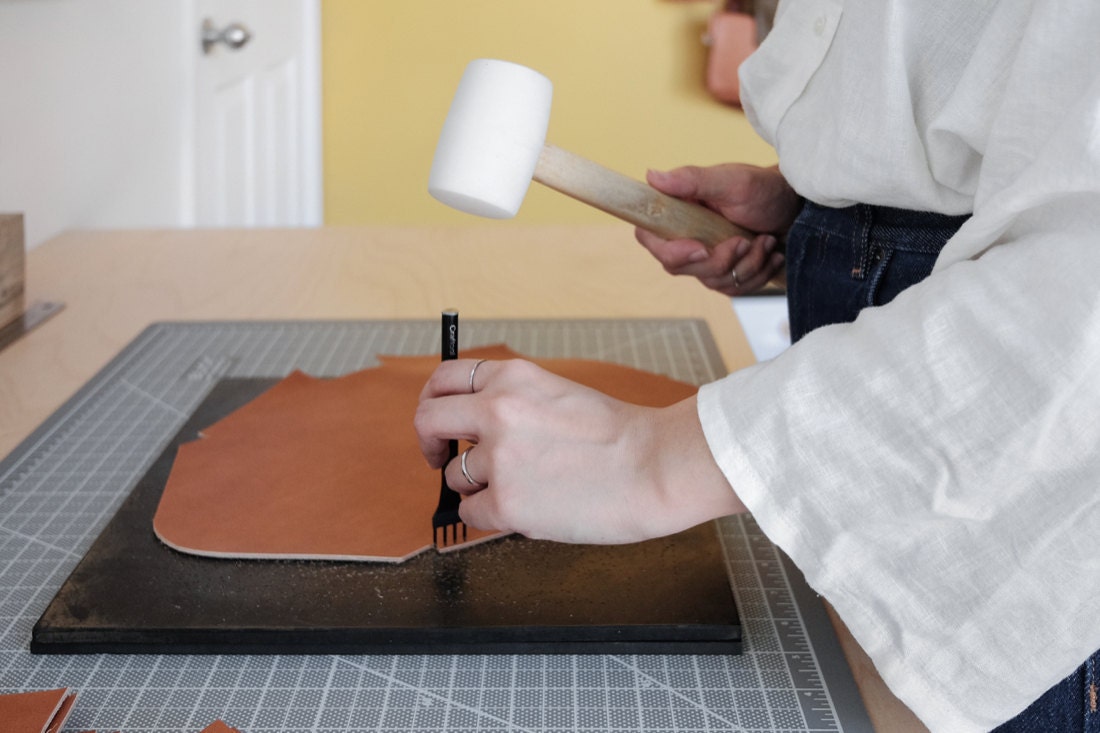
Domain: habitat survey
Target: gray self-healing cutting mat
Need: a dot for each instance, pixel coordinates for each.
(60, 487)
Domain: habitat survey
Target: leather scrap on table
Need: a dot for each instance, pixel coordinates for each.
(331, 468)
(42, 711)
(45, 711)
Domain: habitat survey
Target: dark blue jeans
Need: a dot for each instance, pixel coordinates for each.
(840, 261)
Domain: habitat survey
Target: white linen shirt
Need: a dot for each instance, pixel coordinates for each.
(934, 467)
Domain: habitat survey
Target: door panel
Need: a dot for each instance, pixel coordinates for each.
(252, 163)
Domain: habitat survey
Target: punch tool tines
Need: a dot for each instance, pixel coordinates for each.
(446, 517)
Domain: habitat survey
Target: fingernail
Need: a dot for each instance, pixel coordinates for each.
(698, 255)
(769, 244)
(742, 248)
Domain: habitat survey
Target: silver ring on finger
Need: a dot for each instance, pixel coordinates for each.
(735, 278)
(473, 371)
(466, 472)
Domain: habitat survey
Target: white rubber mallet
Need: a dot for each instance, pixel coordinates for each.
(494, 142)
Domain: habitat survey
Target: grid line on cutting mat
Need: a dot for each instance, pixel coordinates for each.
(61, 485)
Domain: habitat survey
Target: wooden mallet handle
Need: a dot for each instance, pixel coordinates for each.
(632, 200)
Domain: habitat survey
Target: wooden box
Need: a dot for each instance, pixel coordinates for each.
(12, 267)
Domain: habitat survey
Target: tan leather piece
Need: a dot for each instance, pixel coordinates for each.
(330, 468)
(45, 711)
(42, 711)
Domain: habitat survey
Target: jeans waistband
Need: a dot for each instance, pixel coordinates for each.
(901, 227)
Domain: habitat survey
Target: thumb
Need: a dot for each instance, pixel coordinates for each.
(717, 186)
(476, 511)
(683, 182)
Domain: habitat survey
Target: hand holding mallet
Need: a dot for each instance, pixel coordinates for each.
(494, 143)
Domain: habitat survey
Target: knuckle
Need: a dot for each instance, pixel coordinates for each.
(512, 370)
(504, 410)
(421, 418)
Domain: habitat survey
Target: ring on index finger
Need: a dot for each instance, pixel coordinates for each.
(466, 472)
(473, 371)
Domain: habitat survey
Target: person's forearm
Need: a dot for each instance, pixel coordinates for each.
(690, 488)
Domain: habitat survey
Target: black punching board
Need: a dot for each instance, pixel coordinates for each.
(132, 594)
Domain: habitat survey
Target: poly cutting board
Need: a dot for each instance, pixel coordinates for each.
(132, 594)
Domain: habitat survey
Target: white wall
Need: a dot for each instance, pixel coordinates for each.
(93, 122)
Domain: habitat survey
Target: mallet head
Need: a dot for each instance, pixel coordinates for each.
(491, 139)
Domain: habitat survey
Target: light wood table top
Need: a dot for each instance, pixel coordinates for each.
(115, 283)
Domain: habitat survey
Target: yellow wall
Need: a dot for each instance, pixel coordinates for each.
(627, 93)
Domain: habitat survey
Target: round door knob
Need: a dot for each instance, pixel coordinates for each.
(233, 36)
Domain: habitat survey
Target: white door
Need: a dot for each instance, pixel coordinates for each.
(257, 113)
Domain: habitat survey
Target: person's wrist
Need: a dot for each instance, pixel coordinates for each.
(786, 203)
(689, 487)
